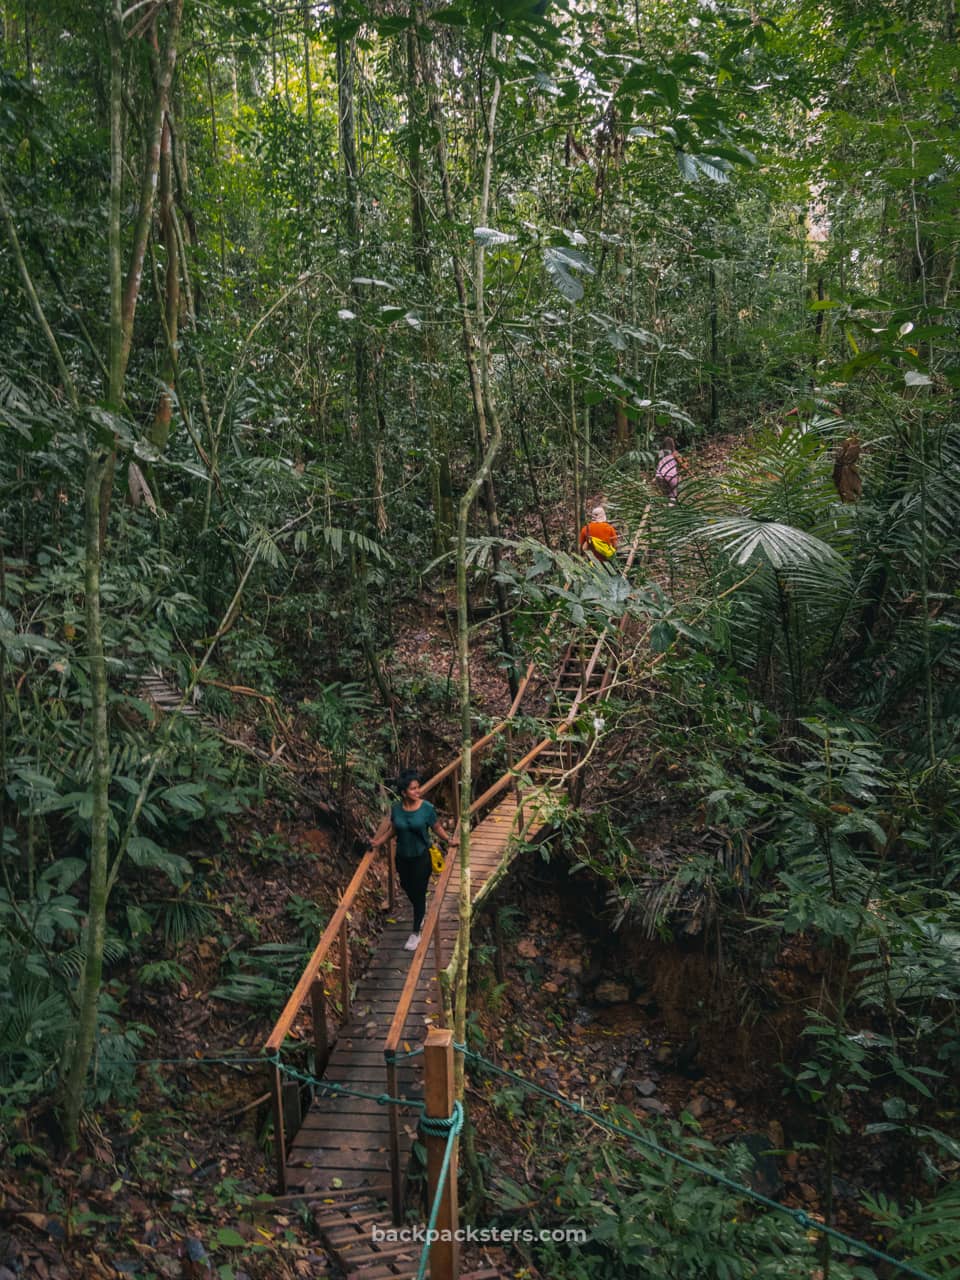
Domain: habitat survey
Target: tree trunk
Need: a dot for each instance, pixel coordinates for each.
(77, 1061)
(160, 429)
(623, 427)
(77, 1064)
(485, 413)
(714, 353)
(95, 930)
(351, 184)
(165, 63)
(307, 77)
(215, 162)
(475, 345)
(441, 483)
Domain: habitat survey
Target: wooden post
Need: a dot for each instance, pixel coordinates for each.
(321, 1043)
(344, 971)
(292, 1108)
(396, 1180)
(279, 1129)
(439, 1098)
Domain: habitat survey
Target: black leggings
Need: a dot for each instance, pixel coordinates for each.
(414, 876)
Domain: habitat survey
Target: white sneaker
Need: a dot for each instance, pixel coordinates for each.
(412, 942)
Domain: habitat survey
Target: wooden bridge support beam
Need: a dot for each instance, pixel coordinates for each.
(396, 1173)
(321, 1040)
(279, 1128)
(438, 1084)
(345, 1006)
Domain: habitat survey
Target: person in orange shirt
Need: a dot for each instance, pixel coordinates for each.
(599, 538)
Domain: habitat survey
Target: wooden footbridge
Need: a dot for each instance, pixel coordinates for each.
(350, 1153)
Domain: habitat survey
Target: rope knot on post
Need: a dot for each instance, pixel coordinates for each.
(443, 1126)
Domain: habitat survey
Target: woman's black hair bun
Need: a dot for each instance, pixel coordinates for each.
(406, 777)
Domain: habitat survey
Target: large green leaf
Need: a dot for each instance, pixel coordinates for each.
(144, 852)
(560, 263)
(782, 546)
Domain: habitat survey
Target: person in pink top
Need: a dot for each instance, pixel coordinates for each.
(669, 465)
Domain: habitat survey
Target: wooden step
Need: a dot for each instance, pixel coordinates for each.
(332, 1223)
(385, 1272)
(366, 1254)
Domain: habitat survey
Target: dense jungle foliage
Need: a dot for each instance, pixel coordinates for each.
(280, 283)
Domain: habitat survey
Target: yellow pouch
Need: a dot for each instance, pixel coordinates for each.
(602, 548)
(436, 859)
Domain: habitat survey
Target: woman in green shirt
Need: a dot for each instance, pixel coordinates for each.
(410, 821)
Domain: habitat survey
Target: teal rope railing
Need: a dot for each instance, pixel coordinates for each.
(410, 1053)
(333, 1089)
(802, 1219)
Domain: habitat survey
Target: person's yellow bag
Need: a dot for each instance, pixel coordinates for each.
(436, 859)
(602, 548)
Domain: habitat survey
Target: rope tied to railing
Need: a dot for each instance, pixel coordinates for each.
(451, 1126)
(393, 1056)
(333, 1089)
(440, 1126)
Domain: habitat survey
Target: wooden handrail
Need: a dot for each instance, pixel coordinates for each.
(310, 986)
(301, 991)
(597, 648)
(506, 780)
(621, 624)
(429, 934)
(454, 765)
(427, 930)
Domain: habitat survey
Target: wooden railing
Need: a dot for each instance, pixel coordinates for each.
(622, 621)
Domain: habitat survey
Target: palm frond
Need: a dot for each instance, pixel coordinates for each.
(931, 1236)
(745, 540)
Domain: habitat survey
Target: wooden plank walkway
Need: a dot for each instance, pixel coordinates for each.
(344, 1143)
